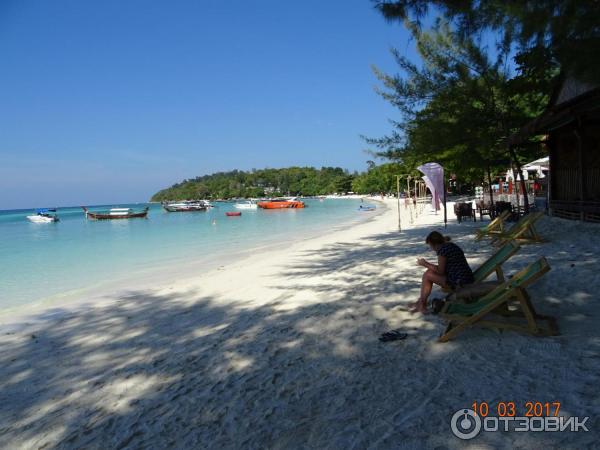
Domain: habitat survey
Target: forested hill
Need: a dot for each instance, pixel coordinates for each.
(260, 183)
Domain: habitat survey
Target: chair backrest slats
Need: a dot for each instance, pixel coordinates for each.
(501, 256)
(501, 218)
(524, 222)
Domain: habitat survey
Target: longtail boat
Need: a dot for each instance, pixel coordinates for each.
(115, 213)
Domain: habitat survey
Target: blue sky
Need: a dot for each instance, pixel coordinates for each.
(106, 102)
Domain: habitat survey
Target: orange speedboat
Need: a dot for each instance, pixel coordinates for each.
(281, 204)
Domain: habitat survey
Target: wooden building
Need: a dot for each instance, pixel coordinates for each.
(571, 125)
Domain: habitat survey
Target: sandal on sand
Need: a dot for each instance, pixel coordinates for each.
(394, 335)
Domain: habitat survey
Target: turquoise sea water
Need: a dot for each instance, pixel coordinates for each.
(42, 260)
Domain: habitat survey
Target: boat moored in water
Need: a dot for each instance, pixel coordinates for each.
(44, 215)
(184, 206)
(251, 204)
(233, 213)
(281, 203)
(366, 208)
(115, 213)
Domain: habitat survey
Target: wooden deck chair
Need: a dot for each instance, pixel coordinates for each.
(523, 231)
(495, 226)
(493, 264)
(495, 304)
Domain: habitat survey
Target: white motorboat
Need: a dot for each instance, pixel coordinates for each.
(246, 205)
(44, 216)
(185, 206)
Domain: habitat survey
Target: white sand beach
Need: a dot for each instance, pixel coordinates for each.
(280, 350)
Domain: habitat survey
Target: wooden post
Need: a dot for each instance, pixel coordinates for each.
(445, 213)
(423, 194)
(409, 198)
(419, 186)
(398, 194)
(416, 201)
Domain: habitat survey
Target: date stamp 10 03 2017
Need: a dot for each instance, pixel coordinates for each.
(514, 409)
(510, 416)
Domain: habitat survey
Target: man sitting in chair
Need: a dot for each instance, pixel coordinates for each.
(451, 271)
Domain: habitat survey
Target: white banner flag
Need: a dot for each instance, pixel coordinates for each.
(434, 179)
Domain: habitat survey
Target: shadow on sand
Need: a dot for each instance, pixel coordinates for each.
(190, 371)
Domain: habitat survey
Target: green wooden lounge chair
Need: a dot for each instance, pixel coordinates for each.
(523, 231)
(495, 304)
(493, 264)
(495, 226)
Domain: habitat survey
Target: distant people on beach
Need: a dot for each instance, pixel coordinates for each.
(452, 269)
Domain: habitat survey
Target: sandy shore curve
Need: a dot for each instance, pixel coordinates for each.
(280, 350)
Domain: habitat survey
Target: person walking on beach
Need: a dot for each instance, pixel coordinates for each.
(451, 271)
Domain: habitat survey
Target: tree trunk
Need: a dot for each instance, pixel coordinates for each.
(520, 172)
(489, 174)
